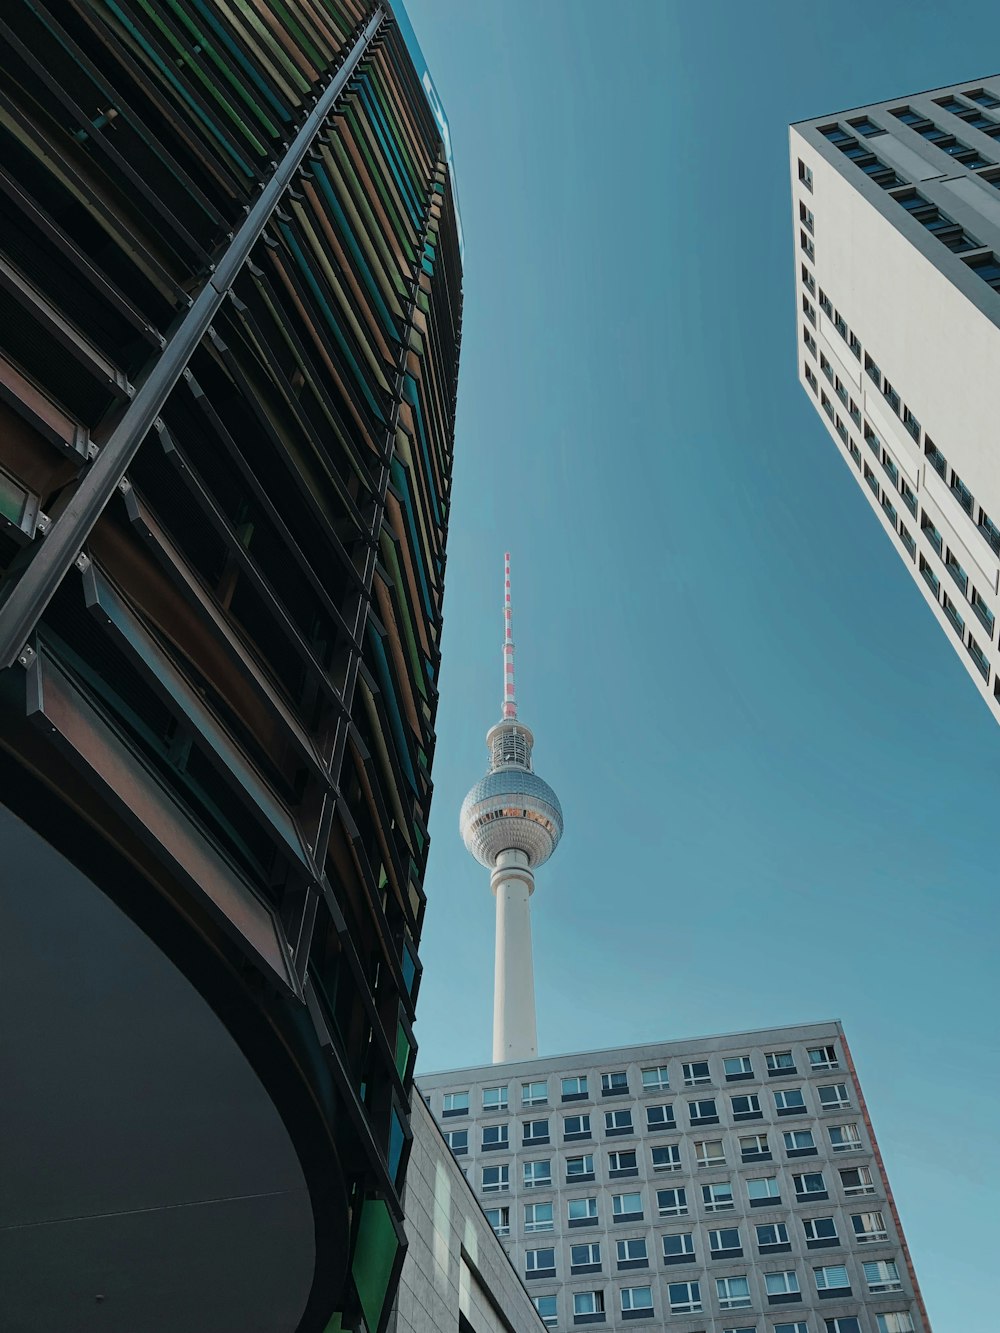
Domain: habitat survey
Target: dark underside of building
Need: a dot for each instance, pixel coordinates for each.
(229, 333)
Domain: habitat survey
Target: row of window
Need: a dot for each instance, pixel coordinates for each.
(726, 1243)
(717, 1197)
(655, 1078)
(937, 460)
(667, 1156)
(732, 1293)
(943, 139)
(662, 1116)
(881, 1275)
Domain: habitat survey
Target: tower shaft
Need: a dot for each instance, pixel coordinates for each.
(514, 1031)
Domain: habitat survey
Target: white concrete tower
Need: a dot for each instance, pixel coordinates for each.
(512, 822)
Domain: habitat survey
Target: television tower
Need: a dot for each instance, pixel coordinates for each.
(511, 822)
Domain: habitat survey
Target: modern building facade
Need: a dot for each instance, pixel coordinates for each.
(231, 271)
(457, 1277)
(730, 1183)
(896, 215)
(511, 822)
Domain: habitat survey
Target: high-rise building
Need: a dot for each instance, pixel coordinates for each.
(230, 260)
(511, 821)
(896, 214)
(731, 1184)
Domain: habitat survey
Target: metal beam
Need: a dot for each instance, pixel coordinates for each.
(30, 595)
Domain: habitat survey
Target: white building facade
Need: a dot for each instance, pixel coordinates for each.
(727, 1185)
(896, 212)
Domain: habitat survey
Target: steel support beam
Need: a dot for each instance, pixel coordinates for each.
(27, 599)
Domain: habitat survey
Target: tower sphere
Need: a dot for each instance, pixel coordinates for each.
(511, 809)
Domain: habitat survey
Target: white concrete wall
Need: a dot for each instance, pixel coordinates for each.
(454, 1262)
(931, 325)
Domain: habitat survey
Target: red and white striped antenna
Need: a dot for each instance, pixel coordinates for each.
(509, 700)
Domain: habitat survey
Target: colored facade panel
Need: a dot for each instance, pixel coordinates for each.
(228, 367)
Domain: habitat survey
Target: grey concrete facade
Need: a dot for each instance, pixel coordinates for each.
(456, 1276)
(723, 1162)
(896, 215)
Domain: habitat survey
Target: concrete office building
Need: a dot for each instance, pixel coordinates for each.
(456, 1278)
(230, 260)
(727, 1184)
(896, 214)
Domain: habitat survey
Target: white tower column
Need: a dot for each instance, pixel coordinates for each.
(514, 1033)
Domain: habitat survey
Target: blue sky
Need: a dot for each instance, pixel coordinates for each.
(779, 783)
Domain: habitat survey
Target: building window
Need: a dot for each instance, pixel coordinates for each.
(581, 1210)
(869, 1227)
(810, 341)
(798, 1142)
(754, 1146)
(781, 1284)
(495, 1137)
(660, 1117)
(671, 1203)
(779, 1062)
(495, 1099)
(951, 611)
(808, 248)
(811, 379)
(678, 1247)
(872, 481)
(457, 1140)
(655, 1079)
(844, 1324)
(703, 1112)
(733, 1293)
(540, 1263)
(891, 396)
(762, 1189)
(588, 1302)
(718, 1198)
(696, 1072)
(547, 1310)
(499, 1220)
(798, 1327)
(820, 1230)
(882, 1275)
(855, 346)
(983, 612)
(806, 176)
(576, 1127)
(666, 1157)
(496, 1179)
(825, 304)
(737, 1067)
(725, 1242)
(897, 1321)
(614, 1084)
(808, 280)
(618, 1122)
(930, 578)
(632, 1252)
(834, 1096)
(626, 1207)
(535, 1131)
(538, 1217)
(580, 1166)
(845, 1138)
(637, 1300)
(684, 1297)
(962, 493)
(825, 367)
(586, 1256)
(772, 1236)
(855, 453)
(840, 324)
(456, 1103)
(857, 1180)
(709, 1152)
(534, 1094)
(823, 1057)
(790, 1102)
(979, 657)
(573, 1089)
(622, 1164)
(806, 217)
(747, 1107)
(809, 1185)
(832, 1278)
(809, 311)
(537, 1174)
(987, 267)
